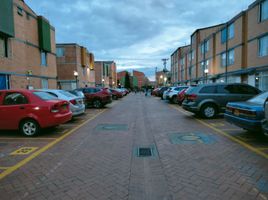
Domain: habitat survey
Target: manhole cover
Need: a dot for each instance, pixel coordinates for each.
(111, 127)
(144, 152)
(191, 138)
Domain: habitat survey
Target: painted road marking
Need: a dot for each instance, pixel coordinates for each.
(45, 148)
(234, 139)
(4, 168)
(24, 151)
(28, 138)
(217, 124)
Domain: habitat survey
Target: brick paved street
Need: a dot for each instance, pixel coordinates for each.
(101, 160)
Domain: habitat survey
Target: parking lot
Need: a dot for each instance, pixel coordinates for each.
(136, 148)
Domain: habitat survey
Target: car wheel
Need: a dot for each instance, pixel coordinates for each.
(114, 97)
(97, 104)
(208, 111)
(174, 100)
(29, 127)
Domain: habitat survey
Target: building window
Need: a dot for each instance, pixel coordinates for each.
(231, 31)
(44, 83)
(60, 52)
(20, 11)
(205, 47)
(264, 10)
(3, 47)
(43, 58)
(231, 57)
(223, 59)
(223, 35)
(84, 71)
(263, 46)
(193, 52)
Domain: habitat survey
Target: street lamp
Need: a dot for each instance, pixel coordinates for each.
(103, 82)
(76, 78)
(165, 80)
(161, 81)
(206, 74)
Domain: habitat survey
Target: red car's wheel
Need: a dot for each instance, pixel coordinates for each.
(29, 127)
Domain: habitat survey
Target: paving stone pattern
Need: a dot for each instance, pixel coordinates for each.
(94, 164)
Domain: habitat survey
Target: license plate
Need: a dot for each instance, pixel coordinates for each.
(236, 112)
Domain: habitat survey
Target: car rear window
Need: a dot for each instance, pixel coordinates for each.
(260, 99)
(208, 89)
(65, 93)
(44, 95)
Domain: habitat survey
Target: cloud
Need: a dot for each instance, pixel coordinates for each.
(133, 33)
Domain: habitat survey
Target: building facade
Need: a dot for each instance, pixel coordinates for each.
(121, 78)
(75, 66)
(236, 51)
(27, 48)
(138, 79)
(160, 78)
(105, 74)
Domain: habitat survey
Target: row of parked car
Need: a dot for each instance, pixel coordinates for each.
(31, 110)
(242, 104)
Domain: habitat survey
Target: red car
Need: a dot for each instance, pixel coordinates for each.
(181, 96)
(96, 97)
(29, 111)
(116, 94)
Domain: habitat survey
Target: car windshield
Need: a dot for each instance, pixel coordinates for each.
(44, 95)
(260, 99)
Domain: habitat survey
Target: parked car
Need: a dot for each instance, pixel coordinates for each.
(77, 93)
(164, 96)
(181, 96)
(154, 92)
(77, 105)
(248, 114)
(172, 93)
(265, 121)
(96, 97)
(116, 94)
(30, 110)
(161, 91)
(211, 99)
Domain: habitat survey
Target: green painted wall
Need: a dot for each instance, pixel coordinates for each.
(122, 81)
(135, 81)
(7, 18)
(44, 34)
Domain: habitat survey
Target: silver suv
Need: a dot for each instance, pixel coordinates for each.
(211, 99)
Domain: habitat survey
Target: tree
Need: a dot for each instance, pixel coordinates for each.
(127, 81)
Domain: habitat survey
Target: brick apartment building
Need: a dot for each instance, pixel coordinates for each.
(27, 48)
(105, 74)
(160, 78)
(138, 79)
(236, 51)
(75, 66)
(121, 77)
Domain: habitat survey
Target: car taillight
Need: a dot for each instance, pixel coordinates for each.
(248, 113)
(191, 97)
(55, 108)
(229, 109)
(73, 101)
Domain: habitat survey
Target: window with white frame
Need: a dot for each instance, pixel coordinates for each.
(60, 52)
(263, 46)
(43, 58)
(223, 59)
(231, 57)
(44, 83)
(231, 31)
(264, 10)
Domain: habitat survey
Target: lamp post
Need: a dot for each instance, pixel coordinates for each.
(103, 82)
(76, 78)
(206, 75)
(165, 81)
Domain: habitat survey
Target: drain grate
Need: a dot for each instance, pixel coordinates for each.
(145, 152)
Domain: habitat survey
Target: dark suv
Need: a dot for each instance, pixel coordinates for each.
(96, 97)
(211, 99)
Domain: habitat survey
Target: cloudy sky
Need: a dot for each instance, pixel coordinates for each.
(136, 34)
